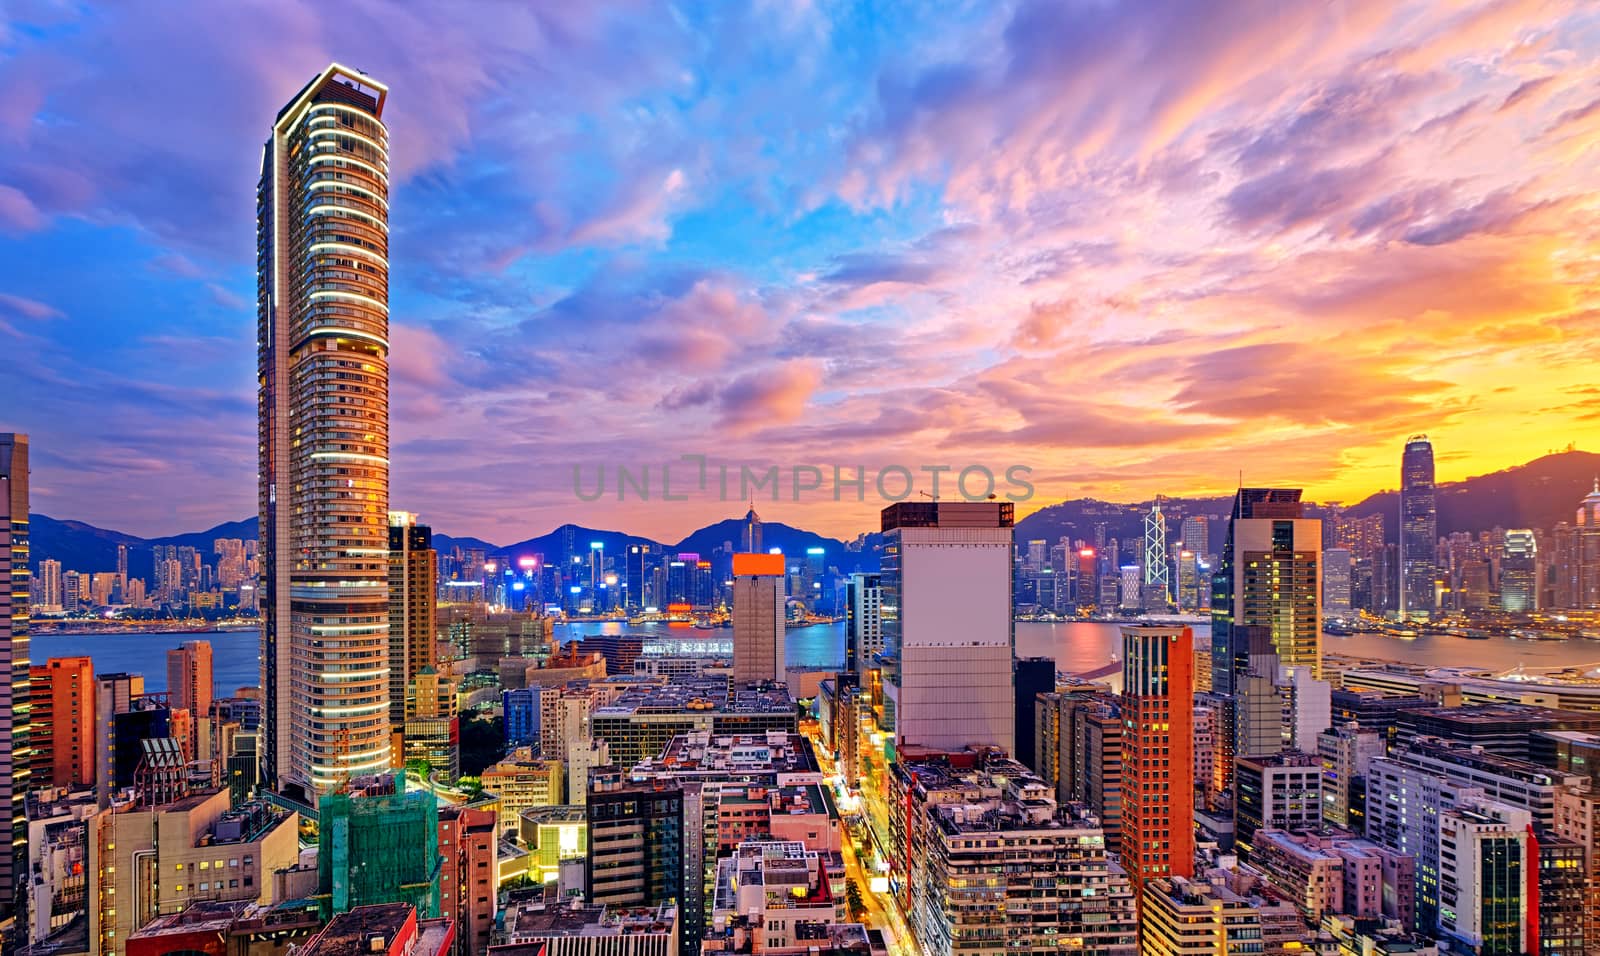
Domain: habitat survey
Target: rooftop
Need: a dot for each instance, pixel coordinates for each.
(705, 753)
(202, 916)
(541, 913)
(697, 695)
(358, 932)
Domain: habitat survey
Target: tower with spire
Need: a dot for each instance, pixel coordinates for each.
(752, 530)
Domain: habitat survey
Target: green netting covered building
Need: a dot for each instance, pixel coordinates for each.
(379, 844)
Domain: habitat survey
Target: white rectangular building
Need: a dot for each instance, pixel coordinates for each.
(946, 605)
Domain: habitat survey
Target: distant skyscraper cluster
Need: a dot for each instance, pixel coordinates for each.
(680, 790)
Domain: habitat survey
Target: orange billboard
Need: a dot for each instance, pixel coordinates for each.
(747, 564)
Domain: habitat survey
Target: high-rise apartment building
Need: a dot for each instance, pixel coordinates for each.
(863, 622)
(16, 752)
(1419, 529)
(1157, 753)
(322, 225)
(63, 691)
(965, 827)
(946, 602)
(50, 593)
(758, 606)
(189, 680)
(413, 617)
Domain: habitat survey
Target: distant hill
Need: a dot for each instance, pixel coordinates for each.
(790, 540)
(1535, 495)
(555, 545)
(83, 547)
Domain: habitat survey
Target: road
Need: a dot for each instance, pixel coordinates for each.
(882, 912)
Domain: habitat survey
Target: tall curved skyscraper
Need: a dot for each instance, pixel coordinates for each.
(322, 247)
(1419, 528)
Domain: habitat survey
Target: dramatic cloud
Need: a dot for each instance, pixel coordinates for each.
(1138, 246)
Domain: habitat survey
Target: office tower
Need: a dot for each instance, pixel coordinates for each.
(1419, 529)
(63, 725)
(122, 569)
(16, 753)
(636, 563)
(1157, 753)
(1404, 803)
(758, 633)
(1096, 779)
(1280, 792)
(1347, 751)
(1132, 588)
(431, 733)
(1307, 709)
(1583, 565)
(1519, 572)
(1157, 579)
(1268, 576)
(520, 710)
(946, 578)
(863, 622)
(1031, 677)
(1268, 582)
(50, 584)
(752, 531)
(1488, 871)
(189, 673)
(1337, 569)
(636, 843)
(413, 587)
(114, 695)
(102, 588)
(1195, 534)
(322, 344)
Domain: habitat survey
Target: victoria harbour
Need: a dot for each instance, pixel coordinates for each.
(1076, 646)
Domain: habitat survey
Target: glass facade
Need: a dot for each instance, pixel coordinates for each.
(322, 349)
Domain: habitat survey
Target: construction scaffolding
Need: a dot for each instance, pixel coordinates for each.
(379, 844)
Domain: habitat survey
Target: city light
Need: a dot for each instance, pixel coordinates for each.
(1185, 402)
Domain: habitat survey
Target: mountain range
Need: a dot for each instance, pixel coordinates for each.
(1534, 495)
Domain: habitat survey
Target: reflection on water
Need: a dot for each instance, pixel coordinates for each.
(1077, 646)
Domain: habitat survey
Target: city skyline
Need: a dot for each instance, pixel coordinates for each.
(606, 252)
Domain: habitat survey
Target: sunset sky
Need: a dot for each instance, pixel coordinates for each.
(1138, 247)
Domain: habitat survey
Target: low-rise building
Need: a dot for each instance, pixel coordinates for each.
(766, 891)
(383, 929)
(553, 836)
(149, 860)
(541, 922)
(1282, 791)
(642, 721)
(523, 781)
